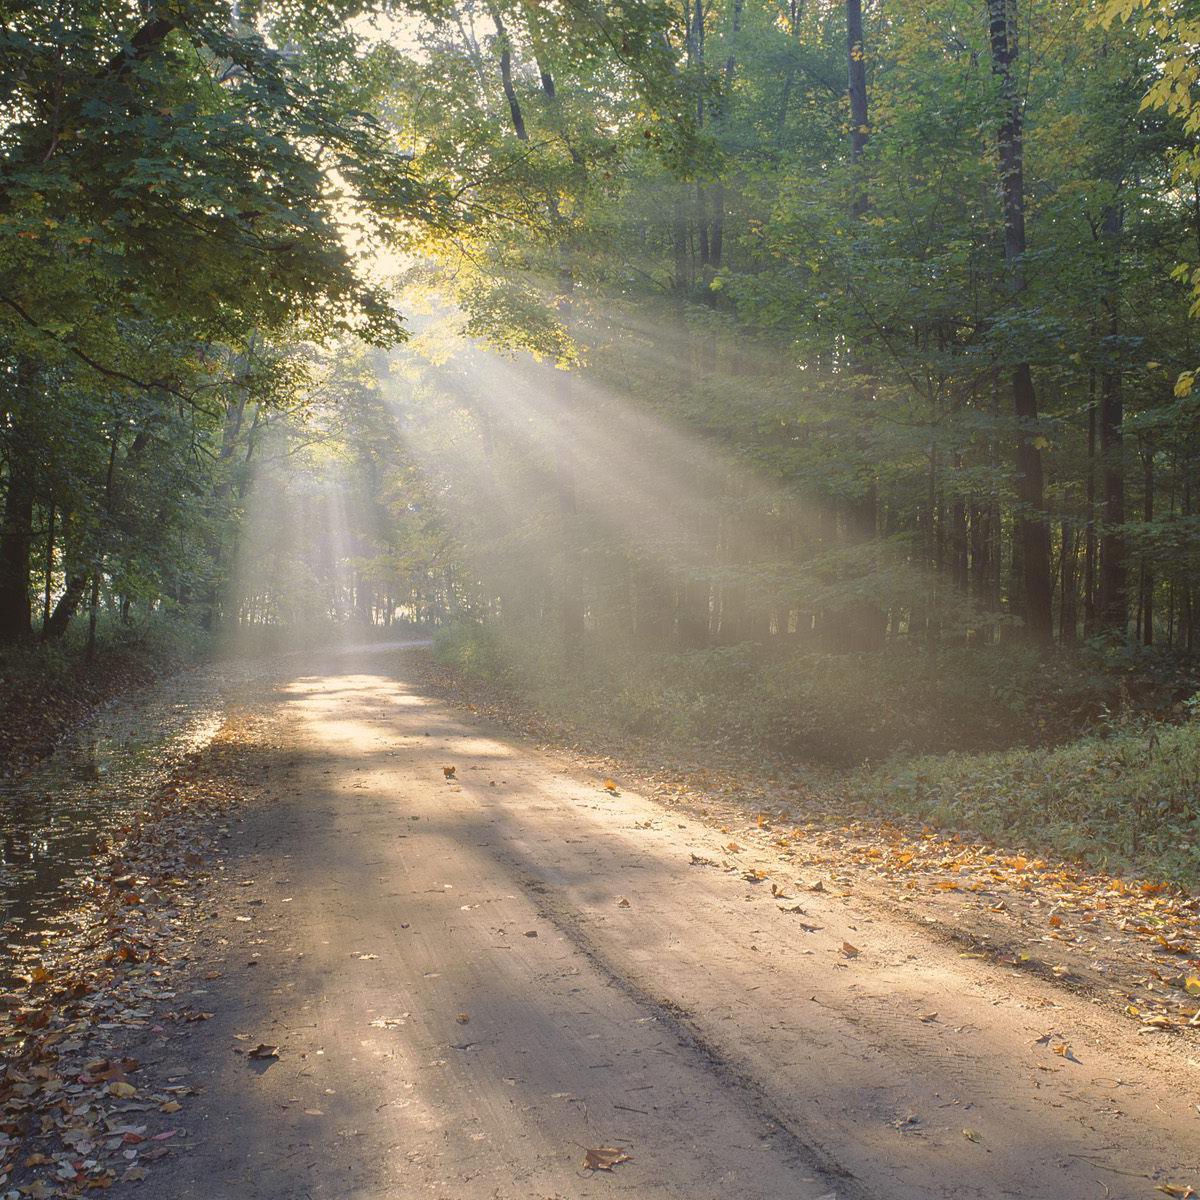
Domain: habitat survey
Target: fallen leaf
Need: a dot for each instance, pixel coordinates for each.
(927, 1017)
(972, 1135)
(1176, 1189)
(449, 772)
(262, 1050)
(463, 1018)
(604, 1158)
(622, 903)
(850, 951)
(123, 1091)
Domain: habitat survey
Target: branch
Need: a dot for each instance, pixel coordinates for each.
(139, 47)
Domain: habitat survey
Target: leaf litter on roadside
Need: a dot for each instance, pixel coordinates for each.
(78, 1112)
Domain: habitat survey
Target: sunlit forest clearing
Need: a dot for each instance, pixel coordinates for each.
(600, 595)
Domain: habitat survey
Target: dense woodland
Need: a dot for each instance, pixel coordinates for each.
(839, 326)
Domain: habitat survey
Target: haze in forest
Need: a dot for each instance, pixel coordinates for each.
(808, 379)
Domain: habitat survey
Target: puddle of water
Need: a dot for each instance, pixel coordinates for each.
(98, 778)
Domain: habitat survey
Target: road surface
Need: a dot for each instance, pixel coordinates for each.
(475, 980)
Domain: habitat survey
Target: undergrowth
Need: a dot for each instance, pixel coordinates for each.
(1125, 798)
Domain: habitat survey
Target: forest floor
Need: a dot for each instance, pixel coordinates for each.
(370, 943)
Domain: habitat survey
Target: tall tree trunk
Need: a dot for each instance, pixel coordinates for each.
(1032, 526)
(16, 538)
(506, 79)
(1068, 613)
(1113, 603)
(49, 580)
(1147, 573)
(1089, 559)
(860, 128)
(716, 246)
(867, 622)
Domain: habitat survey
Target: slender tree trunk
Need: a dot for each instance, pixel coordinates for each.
(49, 582)
(1147, 572)
(1089, 560)
(16, 539)
(867, 622)
(1113, 604)
(1032, 526)
(1068, 614)
(716, 247)
(506, 79)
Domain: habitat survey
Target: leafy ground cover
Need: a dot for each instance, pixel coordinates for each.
(90, 1008)
(45, 689)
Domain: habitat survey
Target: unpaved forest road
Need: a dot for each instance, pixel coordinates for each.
(464, 1003)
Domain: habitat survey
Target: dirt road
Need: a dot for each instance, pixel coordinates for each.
(474, 980)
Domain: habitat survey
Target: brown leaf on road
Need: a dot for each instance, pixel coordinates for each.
(263, 1050)
(449, 772)
(1176, 1189)
(610, 785)
(850, 951)
(463, 1018)
(622, 903)
(604, 1158)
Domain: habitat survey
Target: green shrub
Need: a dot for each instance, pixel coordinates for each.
(470, 647)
